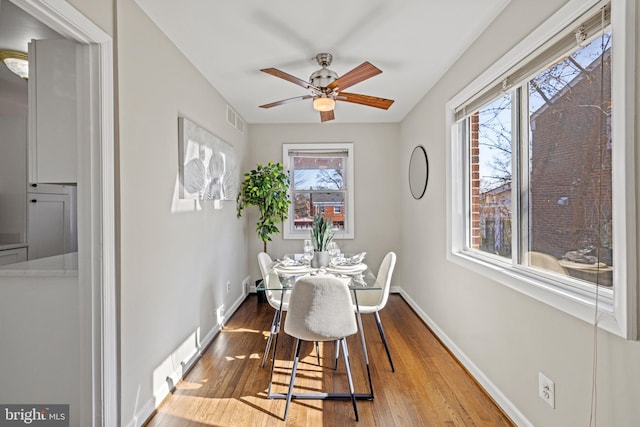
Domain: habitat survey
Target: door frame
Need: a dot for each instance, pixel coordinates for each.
(96, 209)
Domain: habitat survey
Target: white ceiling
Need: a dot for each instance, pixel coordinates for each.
(413, 42)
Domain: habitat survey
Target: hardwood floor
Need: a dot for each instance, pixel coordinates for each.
(227, 386)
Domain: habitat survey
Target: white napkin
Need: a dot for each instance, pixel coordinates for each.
(353, 261)
(288, 262)
(348, 269)
(358, 258)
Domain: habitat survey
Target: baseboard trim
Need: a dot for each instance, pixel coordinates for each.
(499, 398)
(148, 410)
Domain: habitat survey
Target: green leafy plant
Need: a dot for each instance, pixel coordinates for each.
(267, 187)
(321, 233)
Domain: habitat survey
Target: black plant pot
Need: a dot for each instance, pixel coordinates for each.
(262, 296)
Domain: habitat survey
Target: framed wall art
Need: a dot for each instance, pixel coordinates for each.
(208, 165)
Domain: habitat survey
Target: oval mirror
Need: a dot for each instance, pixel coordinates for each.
(418, 172)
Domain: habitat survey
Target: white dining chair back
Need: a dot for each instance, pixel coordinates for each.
(271, 282)
(320, 309)
(374, 300)
(264, 261)
(274, 298)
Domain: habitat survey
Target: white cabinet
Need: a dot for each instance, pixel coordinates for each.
(10, 256)
(13, 172)
(53, 111)
(50, 220)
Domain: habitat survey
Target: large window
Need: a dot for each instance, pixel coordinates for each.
(321, 183)
(539, 156)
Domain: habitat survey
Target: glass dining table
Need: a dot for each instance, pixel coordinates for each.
(289, 270)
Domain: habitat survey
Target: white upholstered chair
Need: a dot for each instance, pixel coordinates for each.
(274, 297)
(320, 309)
(372, 301)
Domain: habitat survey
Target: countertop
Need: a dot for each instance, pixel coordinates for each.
(4, 246)
(59, 265)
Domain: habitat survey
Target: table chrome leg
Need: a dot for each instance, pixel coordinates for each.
(275, 346)
(364, 345)
(274, 324)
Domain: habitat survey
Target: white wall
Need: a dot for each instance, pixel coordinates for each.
(378, 185)
(507, 337)
(100, 12)
(176, 256)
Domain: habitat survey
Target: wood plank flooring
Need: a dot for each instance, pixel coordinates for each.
(227, 386)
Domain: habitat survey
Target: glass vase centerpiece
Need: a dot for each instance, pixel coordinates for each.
(321, 235)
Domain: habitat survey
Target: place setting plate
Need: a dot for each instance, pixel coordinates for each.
(346, 268)
(292, 268)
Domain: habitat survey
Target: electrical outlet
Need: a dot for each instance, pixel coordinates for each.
(228, 286)
(546, 390)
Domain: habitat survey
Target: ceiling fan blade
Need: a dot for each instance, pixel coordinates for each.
(286, 101)
(361, 72)
(288, 77)
(371, 101)
(325, 116)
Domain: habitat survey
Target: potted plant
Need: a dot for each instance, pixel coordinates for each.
(267, 188)
(321, 235)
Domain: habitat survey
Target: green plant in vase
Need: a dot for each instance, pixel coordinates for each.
(321, 235)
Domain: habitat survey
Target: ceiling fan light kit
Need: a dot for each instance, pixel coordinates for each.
(326, 87)
(324, 104)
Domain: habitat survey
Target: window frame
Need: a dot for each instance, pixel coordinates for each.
(349, 183)
(616, 314)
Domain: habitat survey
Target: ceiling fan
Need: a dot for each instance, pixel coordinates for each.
(326, 87)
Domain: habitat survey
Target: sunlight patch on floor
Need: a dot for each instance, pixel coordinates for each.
(226, 330)
(186, 385)
(198, 409)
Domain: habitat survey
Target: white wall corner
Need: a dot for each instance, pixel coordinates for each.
(496, 394)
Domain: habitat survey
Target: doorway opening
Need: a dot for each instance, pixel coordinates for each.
(95, 207)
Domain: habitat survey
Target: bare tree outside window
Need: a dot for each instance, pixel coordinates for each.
(318, 187)
(491, 178)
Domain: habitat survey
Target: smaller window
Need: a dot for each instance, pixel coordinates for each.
(321, 183)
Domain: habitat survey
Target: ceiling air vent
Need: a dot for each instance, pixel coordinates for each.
(235, 120)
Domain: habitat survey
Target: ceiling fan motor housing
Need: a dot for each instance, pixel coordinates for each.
(323, 78)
